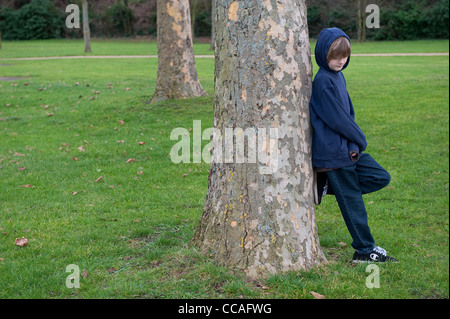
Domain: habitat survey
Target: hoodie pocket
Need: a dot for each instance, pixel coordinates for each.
(343, 149)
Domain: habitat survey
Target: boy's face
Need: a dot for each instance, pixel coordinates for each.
(337, 64)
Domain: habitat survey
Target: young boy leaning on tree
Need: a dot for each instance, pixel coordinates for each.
(340, 166)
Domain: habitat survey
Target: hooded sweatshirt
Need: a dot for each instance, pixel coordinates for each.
(335, 132)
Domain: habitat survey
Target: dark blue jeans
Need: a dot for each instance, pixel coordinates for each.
(348, 184)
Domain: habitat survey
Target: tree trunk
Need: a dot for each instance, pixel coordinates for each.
(86, 30)
(213, 25)
(177, 74)
(361, 20)
(259, 215)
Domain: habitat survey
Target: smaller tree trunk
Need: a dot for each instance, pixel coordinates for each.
(213, 25)
(86, 30)
(177, 74)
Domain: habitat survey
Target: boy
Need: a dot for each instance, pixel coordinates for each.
(341, 168)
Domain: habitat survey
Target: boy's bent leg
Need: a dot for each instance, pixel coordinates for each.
(346, 188)
(372, 176)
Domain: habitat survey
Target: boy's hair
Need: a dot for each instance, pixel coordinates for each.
(340, 48)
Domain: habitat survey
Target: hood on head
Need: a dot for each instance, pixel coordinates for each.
(326, 38)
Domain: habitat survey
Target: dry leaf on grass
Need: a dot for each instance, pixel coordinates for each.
(317, 295)
(21, 242)
(26, 186)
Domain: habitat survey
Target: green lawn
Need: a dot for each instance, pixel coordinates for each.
(61, 47)
(71, 122)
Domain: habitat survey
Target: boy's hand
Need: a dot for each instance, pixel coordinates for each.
(354, 155)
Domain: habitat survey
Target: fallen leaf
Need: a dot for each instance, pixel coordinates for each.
(21, 242)
(75, 158)
(141, 143)
(121, 141)
(262, 286)
(26, 186)
(74, 193)
(121, 122)
(317, 295)
(21, 168)
(130, 160)
(184, 175)
(84, 274)
(98, 179)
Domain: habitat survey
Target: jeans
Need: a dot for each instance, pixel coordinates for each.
(348, 184)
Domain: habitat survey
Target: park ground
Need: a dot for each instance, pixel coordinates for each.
(86, 178)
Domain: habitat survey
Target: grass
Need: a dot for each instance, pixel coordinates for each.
(130, 230)
(70, 47)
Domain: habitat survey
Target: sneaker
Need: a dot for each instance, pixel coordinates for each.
(320, 187)
(378, 254)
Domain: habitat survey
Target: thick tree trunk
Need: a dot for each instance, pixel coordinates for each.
(86, 29)
(259, 215)
(177, 74)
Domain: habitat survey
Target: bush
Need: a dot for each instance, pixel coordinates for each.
(38, 20)
(121, 18)
(414, 20)
(203, 24)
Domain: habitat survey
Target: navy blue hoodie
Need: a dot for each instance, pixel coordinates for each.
(331, 109)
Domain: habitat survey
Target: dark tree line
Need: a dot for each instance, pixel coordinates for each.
(399, 20)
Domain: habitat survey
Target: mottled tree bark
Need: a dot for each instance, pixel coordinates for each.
(262, 222)
(177, 74)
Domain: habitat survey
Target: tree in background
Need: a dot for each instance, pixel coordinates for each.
(259, 214)
(213, 25)
(86, 29)
(177, 74)
(121, 17)
(361, 8)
